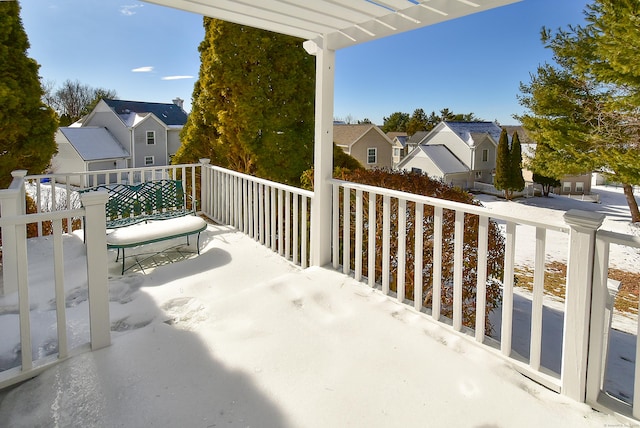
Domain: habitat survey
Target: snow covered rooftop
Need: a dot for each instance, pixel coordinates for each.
(442, 157)
(465, 130)
(94, 143)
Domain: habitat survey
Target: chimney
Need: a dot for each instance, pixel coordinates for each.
(178, 101)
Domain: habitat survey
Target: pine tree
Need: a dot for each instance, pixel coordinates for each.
(253, 103)
(503, 165)
(516, 180)
(27, 126)
(586, 108)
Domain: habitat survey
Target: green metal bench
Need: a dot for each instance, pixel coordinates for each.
(144, 213)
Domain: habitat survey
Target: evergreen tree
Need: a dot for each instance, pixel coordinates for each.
(27, 126)
(396, 122)
(502, 179)
(587, 108)
(546, 182)
(252, 106)
(418, 122)
(516, 180)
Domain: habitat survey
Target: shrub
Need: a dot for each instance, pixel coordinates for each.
(423, 185)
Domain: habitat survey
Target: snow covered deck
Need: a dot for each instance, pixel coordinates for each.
(238, 336)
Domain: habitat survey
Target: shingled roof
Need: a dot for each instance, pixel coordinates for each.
(169, 113)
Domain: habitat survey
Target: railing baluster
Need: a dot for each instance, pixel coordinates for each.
(535, 349)
(287, 225)
(481, 287)
(280, 222)
(358, 247)
(458, 266)
(402, 249)
(371, 251)
(296, 228)
(437, 263)
(23, 296)
(346, 231)
(274, 230)
(418, 252)
(386, 241)
(507, 290)
(304, 259)
(58, 265)
(335, 229)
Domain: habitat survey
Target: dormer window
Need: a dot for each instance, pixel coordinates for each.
(151, 137)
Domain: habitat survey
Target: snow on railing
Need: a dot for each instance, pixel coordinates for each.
(276, 215)
(15, 281)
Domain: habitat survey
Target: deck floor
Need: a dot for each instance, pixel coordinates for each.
(239, 337)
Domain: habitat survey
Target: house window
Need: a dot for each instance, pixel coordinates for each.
(372, 155)
(579, 187)
(478, 175)
(148, 160)
(566, 187)
(151, 137)
(396, 152)
(485, 155)
(416, 170)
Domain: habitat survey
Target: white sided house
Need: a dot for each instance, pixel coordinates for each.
(149, 134)
(459, 153)
(88, 148)
(366, 143)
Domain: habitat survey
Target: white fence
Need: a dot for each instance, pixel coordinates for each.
(15, 263)
(384, 250)
(273, 214)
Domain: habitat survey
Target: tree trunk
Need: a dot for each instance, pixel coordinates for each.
(631, 201)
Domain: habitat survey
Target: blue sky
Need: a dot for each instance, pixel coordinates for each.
(150, 53)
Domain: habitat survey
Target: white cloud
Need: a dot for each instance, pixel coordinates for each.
(176, 77)
(130, 9)
(146, 69)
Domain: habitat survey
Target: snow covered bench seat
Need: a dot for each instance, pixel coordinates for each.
(148, 212)
(154, 231)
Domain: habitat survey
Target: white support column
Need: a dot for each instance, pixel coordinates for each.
(12, 203)
(322, 154)
(578, 301)
(96, 243)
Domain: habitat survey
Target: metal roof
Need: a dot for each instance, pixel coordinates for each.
(94, 143)
(335, 24)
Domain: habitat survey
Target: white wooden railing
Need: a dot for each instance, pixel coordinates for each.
(278, 217)
(354, 203)
(601, 312)
(15, 275)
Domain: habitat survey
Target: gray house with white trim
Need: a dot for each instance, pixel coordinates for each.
(459, 153)
(121, 134)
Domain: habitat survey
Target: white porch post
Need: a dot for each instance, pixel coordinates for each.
(12, 203)
(96, 243)
(578, 301)
(322, 154)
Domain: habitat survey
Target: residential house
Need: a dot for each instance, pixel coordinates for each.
(148, 132)
(366, 143)
(569, 184)
(459, 153)
(400, 149)
(87, 148)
